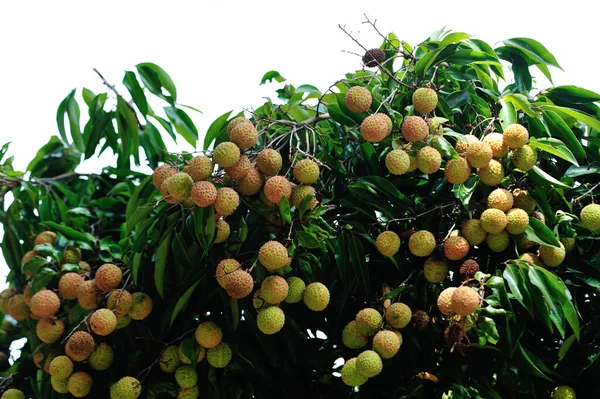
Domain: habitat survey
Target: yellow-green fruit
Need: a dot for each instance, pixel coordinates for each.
(493, 220)
(397, 315)
(103, 322)
(239, 284)
(387, 243)
(501, 199)
(352, 338)
(479, 154)
(424, 100)
(397, 162)
(273, 255)
(429, 160)
(276, 188)
(44, 303)
(80, 384)
(457, 171)
(515, 136)
(300, 192)
(296, 287)
(119, 301)
(219, 356)
(498, 242)
(188, 393)
(374, 128)
(569, 244)
(186, 360)
(473, 232)
(80, 346)
(269, 162)
(350, 375)
(270, 320)
(186, 376)
(238, 120)
(386, 343)
(306, 171)
(203, 193)
(251, 183)
(524, 158)
(49, 330)
(552, 256)
(179, 186)
(435, 271)
(369, 364)
(563, 392)
(102, 357)
(226, 154)
(5, 296)
(223, 231)
(17, 308)
(491, 175)
(240, 169)
(208, 334)
(414, 128)
(224, 270)
(122, 322)
(531, 258)
(84, 267)
(316, 296)
(59, 386)
(61, 367)
(162, 173)
(126, 388)
(496, 143)
(421, 243)
(45, 237)
(413, 163)
(13, 394)
(244, 135)
(141, 306)
(358, 99)
(227, 201)
(523, 201)
(108, 277)
(368, 321)
(444, 301)
(518, 221)
(169, 359)
(88, 295)
(68, 285)
(462, 146)
(274, 290)
(455, 248)
(435, 127)
(200, 168)
(590, 217)
(465, 301)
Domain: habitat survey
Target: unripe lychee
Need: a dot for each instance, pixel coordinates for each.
(300, 192)
(531, 258)
(468, 269)
(186, 360)
(84, 267)
(276, 188)
(28, 293)
(223, 231)
(444, 301)
(500, 198)
(59, 386)
(123, 321)
(435, 127)
(240, 169)
(251, 183)
(227, 201)
(306, 171)
(456, 248)
(397, 162)
(126, 388)
(238, 120)
(169, 359)
(274, 289)
(552, 256)
(244, 135)
(373, 57)
(71, 255)
(515, 136)
(465, 301)
(496, 142)
(61, 367)
(493, 220)
(102, 357)
(120, 302)
(69, 284)
(457, 171)
(414, 128)
(424, 100)
(162, 173)
(88, 295)
(224, 269)
(296, 287)
(369, 364)
(208, 334)
(49, 330)
(479, 154)
(524, 158)
(388, 243)
(45, 237)
(226, 154)
(79, 346)
(435, 271)
(563, 392)
(386, 343)
(203, 193)
(421, 243)
(270, 320)
(518, 221)
(186, 376)
(273, 255)
(493, 174)
(429, 160)
(80, 384)
(269, 162)
(352, 338)
(358, 99)
(316, 296)
(569, 243)
(524, 201)
(462, 145)
(219, 356)
(103, 322)
(397, 315)
(17, 308)
(108, 277)
(590, 217)
(374, 128)
(179, 187)
(44, 303)
(239, 284)
(473, 231)
(368, 321)
(141, 306)
(498, 242)
(413, 163)
(200, 168)
(350, 375)
(5, 296)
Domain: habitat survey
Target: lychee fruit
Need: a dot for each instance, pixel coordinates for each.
(227, 201)
(61, 367)
(524, 158)
(296, 287)
(518, 221)
(429, 160)
(240, 169)
(465, 301)
(435, 127)
(141, 306)
(203, 193)
(239, 284)
(269, 162)
(223, 231)
(200, 168)
(103, 322)
(208, 334)
(496, 142)
(352, 338)
(49, 330)
(186, 360)
(270, 320)
(102, 357)
(300, 192)
(422, 243)
(397, 315)
(397, 162)
(59, 386)
(244, 135)
(235, 122)
(69, 284)
(493, 220)
(358, 99)
(524, 201)
(515, 136)
(179, 187)
(368, 321)
(350, 375)
(457, 171)
(473, 232)
(444, 301)
(462, 146)
(186, 376)
(479, 154)
(274, 290)
(162, 173)
(44, 303)
(386, 343)
(80, 346)
(80, 384)
(273, 255)
(500, 198)
(388, 243)
(456, 248)
(276, 188)
(569, 243)
(17, 308)
(531, 258)
(414, 128)
(590, 217)
(120, 302)
(374, 128)
(71, 255)
(389, 123)
(424, 100)
(306, 171)
(224, 269)
(219, 356)
(226, 154)
(369, 364)
(316, 296)
(88, 295)
(169, 359)
(45, 237)
(373, 57)
(126, 388)
(552, 256)
(434, 270)
(108, 277)
(563, 392)
(251, 183)
(498, 242)
(122, 322)
(468, 269)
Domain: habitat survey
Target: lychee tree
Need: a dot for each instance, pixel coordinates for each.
(426, 227)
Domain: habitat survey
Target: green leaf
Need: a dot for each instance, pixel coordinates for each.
(540, 233)
(444, 147)
(137, 93)
(307, 239)
(466, 57)
(540, 177)
(516, 279)
(521, 103)
(572, 95)
(135, 266)
(576, 171)
(508, 113)
(68, 232)
(74, 114)
(156, 79)
(160, 262)
(558, 128)
(218, 127)
(570, 112)
(33, 265)
(43, 278)
(358, 261)
(284, 210)
(183, 124)
(182, 301)
(533, 49)
(554, 147)
(531, 362)
(270, 76)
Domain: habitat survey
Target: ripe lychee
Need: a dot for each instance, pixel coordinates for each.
(468, 269)
(373, 57)
(358, 99)
(61, 367)
(473, 231)
(141, 306)
(493, 220)
(429, 160)
(17, 308)
(224, 269)
(200, 168)
(103, 322)
(491, 175)
(479, 154)
(496, 142)
(108, 277)
(251, 183)
(306, 171)
(102, 357)
(270, 320)
(457, 171)
(414, 128)
(179, 187)
(69, 284)
(45, 237)
(590, 217)
(523, 201)
(162, 173)
(421, 243)
(79, 346)
(388, 243)
(240, 169)
(219, 356)
(456, 248)
(369, 364)
(397, 315)
(300, 192)
(227, 201)
(515, 136)
(498, 242)
(80, 384)
(386, 343)
(531, 258)
(203, 193)
(552, 256)
(374, 128)
(465, 301)
(518, 221)
(462, 145)
(49, 330)
(119, 301)
(350, 375)
(316, 296)
(368, 321)
(424, 100)
(239, 284)
(524, 158)
(352, 338)
(273, 255)
(244, 135)
(208, 334)
(126, 388)
(274, 290)
(169, 359)
(500, 198)
(444, 301)
(296, 287)
(223, 231)
(235, 122)
(397, 162)
(44, 303)
(186, 376)
(269, 162)
(436, 270)
(276, 188)
(88, 295)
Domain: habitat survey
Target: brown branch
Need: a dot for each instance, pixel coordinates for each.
(141, 126)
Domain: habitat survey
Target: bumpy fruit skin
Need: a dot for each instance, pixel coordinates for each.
(493, 220)
(126, 388)
(350, 375)
(224, 269)
(251, 183)
(273, 255)
(44, 303)
(498, 242)
(457, 171)
(244, 135)
(414, 128)
(473, 232)
(518, 221)
(397, 162)
(49, 330)
(188, 393)
(465, 301)
(238, 120)
(421, 243)
(369, 364)
(141, 306)
(435, 271)
(59, 386)
(200, 168)
(563, 392)
(590, 217)
(79, 346)
(45, 237)
(80, 384)
(368, 321)
(444, 301)
(552, 256)
(524, 158)
(186, 376)
(479, 154)
(523, 201)
(388, 243)
(223, 231)
(226, 154)
(179, 187)
(424, 100)
(358, 99)
(108, 277)
(219, 356)
(203, 193)
(296, 287)
(119, 301)
(456, 248)
(70, 255)
(386, 343)
(5, 296)
(61, 367)
(435, 127)
(397, 315)
(496, 143)
(462, 146)
(468, 269)
(227, 201)
(316, 296)
(429, 160)
(240, 169)
(103, 322)
(531, 258)
(269, 162)
(13, 394)
(162, 173)
(169, 359)
(84, 267)
(491, 175)
(569, 243)
(373, 57)
(306, 171)
(515, 136)
(300, 192)
(270, 320)
(274, 289)
(352, 338)
(102, 357)
(500, 198)
(88, 295)
(374, 128)
(68, 285)
(208, 334)
(413, 163)
(17, 308)
(239, 284)
(276, 188)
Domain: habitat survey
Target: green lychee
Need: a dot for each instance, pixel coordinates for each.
(358, 99)
(524, 158)
(435, 270)
(388, 243)
(457, 171)
(515, 136)
(270, 320)
(590, 217)
(316, 296)
(429, 160)
(424, 100)
(397, 162)
(226, 154)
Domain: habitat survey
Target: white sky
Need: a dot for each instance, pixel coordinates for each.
(217, 51)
